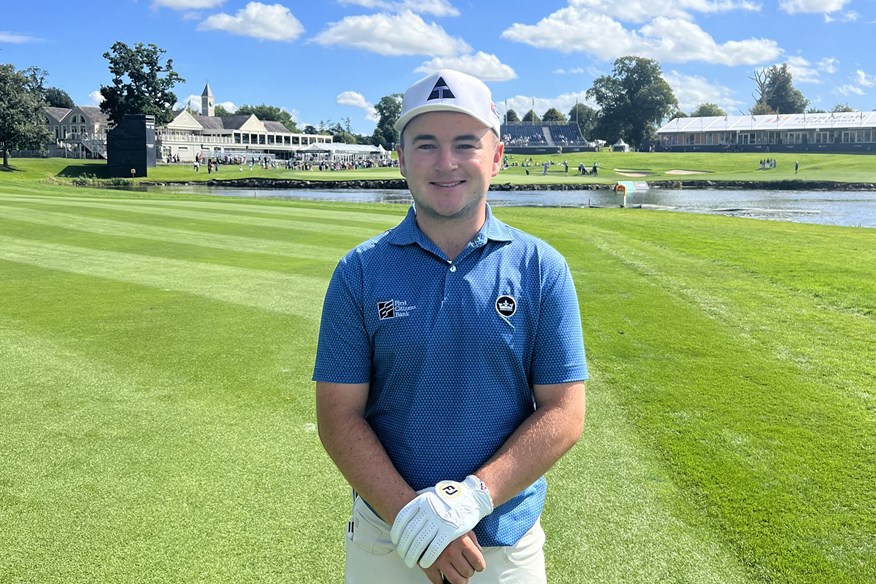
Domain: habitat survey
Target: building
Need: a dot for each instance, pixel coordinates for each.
(78, 132)
(848, 132)
(81, 132)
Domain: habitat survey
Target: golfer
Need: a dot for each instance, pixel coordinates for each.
(450, 368)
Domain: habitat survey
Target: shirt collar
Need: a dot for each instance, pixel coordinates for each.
(407, 232)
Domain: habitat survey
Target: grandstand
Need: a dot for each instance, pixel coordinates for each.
(532, 138)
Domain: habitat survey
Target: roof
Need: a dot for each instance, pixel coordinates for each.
(276, 127)
(338, 147)
(772, 122)
(56, 113)
(94, 114)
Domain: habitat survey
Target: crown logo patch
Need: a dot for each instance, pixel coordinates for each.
(506, 306)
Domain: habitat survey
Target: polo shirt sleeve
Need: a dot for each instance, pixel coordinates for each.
(343, 353)
(558, 355)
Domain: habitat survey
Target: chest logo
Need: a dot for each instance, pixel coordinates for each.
(506, 306)
(387, 309)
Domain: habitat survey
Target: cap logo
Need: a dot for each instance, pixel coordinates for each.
(441, 91)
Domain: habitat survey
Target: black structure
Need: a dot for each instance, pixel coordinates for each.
(130, 146)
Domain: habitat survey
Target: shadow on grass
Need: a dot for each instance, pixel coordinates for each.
(9, 169)
(84, 170)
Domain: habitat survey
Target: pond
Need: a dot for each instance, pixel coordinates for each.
(848, 208)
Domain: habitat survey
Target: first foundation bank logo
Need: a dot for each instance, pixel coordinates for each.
(387, 309)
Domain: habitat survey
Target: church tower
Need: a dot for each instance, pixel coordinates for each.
(207, 102)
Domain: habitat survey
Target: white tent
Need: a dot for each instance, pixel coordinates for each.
(620, 146)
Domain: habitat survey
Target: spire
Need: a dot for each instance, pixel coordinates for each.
(207, 102)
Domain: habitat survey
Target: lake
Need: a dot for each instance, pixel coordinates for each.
(847, 208)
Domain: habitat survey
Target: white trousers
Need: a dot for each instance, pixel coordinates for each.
(371, 556)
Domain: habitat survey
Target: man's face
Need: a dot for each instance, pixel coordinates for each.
(449, 159)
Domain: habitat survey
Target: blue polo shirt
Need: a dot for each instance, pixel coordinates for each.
(451, 350)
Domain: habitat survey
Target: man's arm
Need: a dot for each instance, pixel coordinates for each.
(362, 459)
(356, 450)
(539, 442)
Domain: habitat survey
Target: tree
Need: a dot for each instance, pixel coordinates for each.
(22, 110)
(388, 111)
(633, 100)
(555, 116)
(141, 84)
(511, 116)
(841, 108)
(221, 112)
(776, 92)
(707, 110)
(532, 117)
(268, 113)
(585, 117)
(59, 98)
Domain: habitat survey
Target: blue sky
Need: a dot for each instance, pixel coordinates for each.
(331, 60)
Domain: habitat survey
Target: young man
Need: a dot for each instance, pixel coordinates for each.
(450, 367)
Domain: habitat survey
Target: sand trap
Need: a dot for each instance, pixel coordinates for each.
(687, 172)
(632, 174)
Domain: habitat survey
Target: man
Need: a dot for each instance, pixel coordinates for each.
(450, 367)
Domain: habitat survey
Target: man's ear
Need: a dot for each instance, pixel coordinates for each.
(497, 158)
(401, 159)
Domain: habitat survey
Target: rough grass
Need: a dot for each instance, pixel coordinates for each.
(156, 409)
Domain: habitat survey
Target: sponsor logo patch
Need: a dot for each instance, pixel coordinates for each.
(506, 306)
(387, 309)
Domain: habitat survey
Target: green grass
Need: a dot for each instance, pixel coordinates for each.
(614, 166)
(157, 416)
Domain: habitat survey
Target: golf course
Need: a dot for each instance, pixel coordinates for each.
(157, 420)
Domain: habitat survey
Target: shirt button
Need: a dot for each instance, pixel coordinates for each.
(452, 269)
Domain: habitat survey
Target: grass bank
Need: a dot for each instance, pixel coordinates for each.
(613, 166)
(157, 416)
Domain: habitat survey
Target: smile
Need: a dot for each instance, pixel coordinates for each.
(448, 184)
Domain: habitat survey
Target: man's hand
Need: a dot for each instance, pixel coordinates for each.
(436, 517)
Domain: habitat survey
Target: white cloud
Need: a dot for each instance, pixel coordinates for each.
(849, 90)
(15, 38)
(564, 103)
(865, 79)
(812, 6)
(433, 7)
(693, 90)
(805, 72)
(262, 21)
(594, 27)
(357, 100)
(187, 4)
(392, 35)
(849, 16)
(482, 65)
(95, 98)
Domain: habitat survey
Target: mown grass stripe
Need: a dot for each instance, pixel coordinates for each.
(272, 291)
(268, 208)
(230, 218)
(109, 227)
(101, 464)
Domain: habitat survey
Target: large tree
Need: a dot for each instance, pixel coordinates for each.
(776, 93)
(22, 110)
(511, 116)
(585, 117)
(268, 113)
(388, 112)
(59, 98)
(554, 115)
(141, 83)
(707, 110)
(531, 117)
(633, 100)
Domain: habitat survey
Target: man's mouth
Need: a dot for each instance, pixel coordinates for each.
(448, 185)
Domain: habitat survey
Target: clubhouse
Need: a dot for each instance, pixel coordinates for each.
(848, 132)
(80, 132)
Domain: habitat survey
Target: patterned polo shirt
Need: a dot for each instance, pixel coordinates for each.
(451, 350)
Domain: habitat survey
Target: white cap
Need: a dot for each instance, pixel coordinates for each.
(447, 90)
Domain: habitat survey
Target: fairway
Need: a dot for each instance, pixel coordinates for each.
(157, 416)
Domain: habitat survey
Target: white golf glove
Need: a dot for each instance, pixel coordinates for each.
(437, 516)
